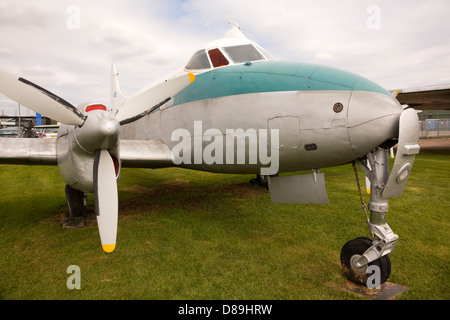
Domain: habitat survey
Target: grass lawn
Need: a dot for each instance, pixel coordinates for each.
(194, 235)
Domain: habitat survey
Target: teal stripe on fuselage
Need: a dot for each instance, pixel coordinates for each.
(272, 76)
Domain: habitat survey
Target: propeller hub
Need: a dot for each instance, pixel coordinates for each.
(101, 130)
(108, 127)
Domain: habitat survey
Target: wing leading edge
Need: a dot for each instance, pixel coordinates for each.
(133, 153)
(145, 154)
(28, 151)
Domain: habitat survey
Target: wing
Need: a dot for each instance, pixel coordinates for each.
(133, 153)
(425, 98)
(145, 154)
(28, 151)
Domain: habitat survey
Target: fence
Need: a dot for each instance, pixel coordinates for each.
(434, 128)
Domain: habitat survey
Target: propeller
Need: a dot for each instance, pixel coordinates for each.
(106, 202)
(143, 103)
(97, 131)
(39, 100)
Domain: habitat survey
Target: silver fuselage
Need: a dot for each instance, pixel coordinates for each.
(325, 117)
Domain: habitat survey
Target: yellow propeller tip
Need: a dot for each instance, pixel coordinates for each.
(191, 77)
(108, 247)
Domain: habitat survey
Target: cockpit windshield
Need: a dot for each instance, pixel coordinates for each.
(243, 53)
(227, 55)
(199, 61)
(217, 58)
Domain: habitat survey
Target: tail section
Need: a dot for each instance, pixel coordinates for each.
(117, 97)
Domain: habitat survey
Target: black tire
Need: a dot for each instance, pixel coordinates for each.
(357, 247)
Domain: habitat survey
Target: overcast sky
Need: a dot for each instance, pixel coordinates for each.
(67, 46)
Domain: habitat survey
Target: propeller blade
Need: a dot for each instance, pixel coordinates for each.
(367, 179)
(368, 185)
(143, 103)
(39, 99)
(106, 199)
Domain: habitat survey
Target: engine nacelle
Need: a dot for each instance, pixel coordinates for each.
(76, 147)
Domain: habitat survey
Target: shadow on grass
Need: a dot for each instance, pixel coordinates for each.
(181, 194)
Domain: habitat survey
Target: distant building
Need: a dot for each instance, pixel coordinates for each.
(10, 116)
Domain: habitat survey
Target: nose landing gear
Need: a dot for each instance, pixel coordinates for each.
(359, 254)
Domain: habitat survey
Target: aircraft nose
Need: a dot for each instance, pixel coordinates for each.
(372, 119)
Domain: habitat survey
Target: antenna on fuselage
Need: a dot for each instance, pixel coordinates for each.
(235, 31)
(234, 24)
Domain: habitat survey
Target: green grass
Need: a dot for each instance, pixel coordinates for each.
(195, 235)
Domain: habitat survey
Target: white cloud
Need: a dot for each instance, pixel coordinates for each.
(147, 39)
(323, 57)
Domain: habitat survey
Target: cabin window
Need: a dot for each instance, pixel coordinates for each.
(217, 58)
(199, 61)
(243, 53)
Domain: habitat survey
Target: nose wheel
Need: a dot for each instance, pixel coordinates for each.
(350, 255)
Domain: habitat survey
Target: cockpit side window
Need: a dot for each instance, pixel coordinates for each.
(266, 53)
(199, 61)
(243, 53)
(217, 58)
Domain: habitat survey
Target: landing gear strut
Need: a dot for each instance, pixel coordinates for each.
(357, 255)
(76, 201)
(260, 180)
